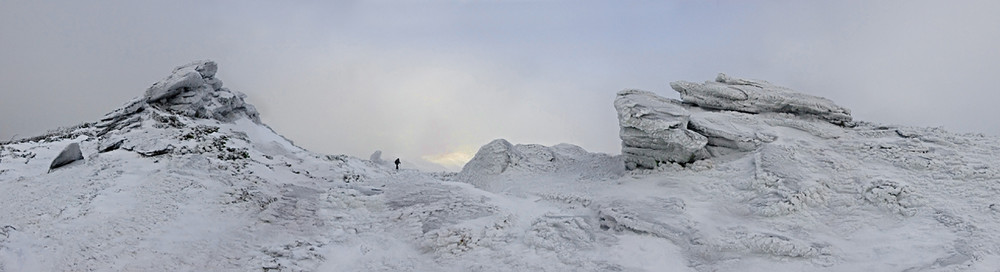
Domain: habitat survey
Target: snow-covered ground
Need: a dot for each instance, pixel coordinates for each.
(175, 192)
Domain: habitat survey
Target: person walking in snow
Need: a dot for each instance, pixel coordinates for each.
(397, 163)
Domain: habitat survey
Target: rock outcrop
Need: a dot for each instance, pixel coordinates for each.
(498, 162)
(758, 96)
(716, 118)
(655, 130)
(191, 90)
(68, 155)
(376, 157)
(499, 155)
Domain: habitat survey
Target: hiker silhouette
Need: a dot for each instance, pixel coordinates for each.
(397, 163)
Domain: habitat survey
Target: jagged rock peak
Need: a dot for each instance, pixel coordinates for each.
(193, 90)
(758, 96)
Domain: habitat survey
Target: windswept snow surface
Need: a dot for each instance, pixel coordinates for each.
(875, 198)
(167, 191)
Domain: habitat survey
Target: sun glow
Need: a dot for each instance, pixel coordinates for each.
(452, 160)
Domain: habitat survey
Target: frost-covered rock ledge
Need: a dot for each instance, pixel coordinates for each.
(716, 118)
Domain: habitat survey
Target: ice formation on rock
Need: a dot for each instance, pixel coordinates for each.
(655, 130)
(191, 90)
(715, 118)
(499, 160)
(758, 96)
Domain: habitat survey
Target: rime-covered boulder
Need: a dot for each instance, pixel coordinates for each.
(495, 158)
(68, 155)
(190, 90)
(498, 162)
(376, 157)
(655, 130)
(758, 96)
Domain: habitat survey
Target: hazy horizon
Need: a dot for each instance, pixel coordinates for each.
(438, 79)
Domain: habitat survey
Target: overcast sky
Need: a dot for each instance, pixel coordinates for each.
(424, 79)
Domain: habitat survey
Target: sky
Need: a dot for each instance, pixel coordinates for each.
(435, 80)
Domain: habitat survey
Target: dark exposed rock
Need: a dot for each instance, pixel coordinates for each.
(68, 155)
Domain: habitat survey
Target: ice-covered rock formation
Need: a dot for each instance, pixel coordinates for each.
(655, 129)
(758, 96)
(715, 118)
(499, 160)
(191, 90)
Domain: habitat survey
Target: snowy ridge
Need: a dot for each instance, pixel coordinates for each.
(164, 188)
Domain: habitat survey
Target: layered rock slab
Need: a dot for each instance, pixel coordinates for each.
(190, 90)
(654, 130)
(758, 96)
(716, 118)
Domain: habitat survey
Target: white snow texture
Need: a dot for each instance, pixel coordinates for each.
(167, 187)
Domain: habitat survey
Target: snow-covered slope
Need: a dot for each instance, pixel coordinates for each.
(167, 184)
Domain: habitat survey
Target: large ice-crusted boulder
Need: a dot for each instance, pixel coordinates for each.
(499, 161)
(758, 96)
(68, 155)
(655, 130)
(499, 155)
